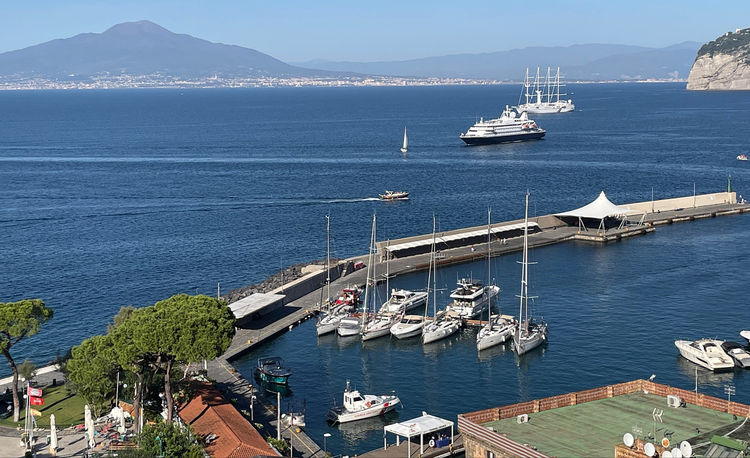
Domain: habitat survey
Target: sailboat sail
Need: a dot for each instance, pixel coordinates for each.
(405, 145)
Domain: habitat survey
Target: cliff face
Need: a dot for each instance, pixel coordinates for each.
(722, 64)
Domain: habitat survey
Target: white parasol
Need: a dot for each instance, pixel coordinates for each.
(52, 435)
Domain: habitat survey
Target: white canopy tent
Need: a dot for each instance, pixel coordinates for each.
(600, 209)
(419, 426)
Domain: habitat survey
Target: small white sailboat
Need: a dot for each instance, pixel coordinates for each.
(331, 317)
(529, 334)
(499, 328)
(442, 325)
(374, 325)
(358, 406)
(405, 146)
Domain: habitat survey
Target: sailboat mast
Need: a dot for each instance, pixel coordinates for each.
(549, 82)
(526, 263)
(489, 267)
(328, 260)
(557, 83)
(370, 270)
(434, 272)
(429, 271)
(388, 269)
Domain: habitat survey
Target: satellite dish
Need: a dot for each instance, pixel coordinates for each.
(628, 439)
(686, 449)
(649, 449)
(666, 454)
(665, 442)
(676, 453)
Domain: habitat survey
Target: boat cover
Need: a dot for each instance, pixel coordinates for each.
(598, 209)
(419, 426)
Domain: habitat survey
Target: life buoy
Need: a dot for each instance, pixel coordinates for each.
(432, 443)
(368, 404)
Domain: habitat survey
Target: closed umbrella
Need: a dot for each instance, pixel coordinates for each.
(121, 417)
(89, 423)
(52, 435)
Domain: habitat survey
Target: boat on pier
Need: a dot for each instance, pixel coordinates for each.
(358, 406)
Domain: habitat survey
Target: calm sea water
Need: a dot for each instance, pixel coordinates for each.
(127, 197)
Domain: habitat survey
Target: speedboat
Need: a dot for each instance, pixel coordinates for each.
(498, 330)
(509, 127)
(272, 370)
(737, 353)
(358, 406)
(402, 300)
(470, 298)
(706, 353)
(379, 326)
(293, 419)
(746, 335)
(394, 195)
(443, 326)
(409, 326)
(742, 157)
(349, 326)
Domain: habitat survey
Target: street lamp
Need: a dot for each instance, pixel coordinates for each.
(325, 446)
(161, 452)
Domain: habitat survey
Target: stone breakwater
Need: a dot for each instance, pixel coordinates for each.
(277, 280)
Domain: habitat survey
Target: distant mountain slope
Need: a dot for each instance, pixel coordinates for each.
(723, 64)
(585, 62)
(139, 48)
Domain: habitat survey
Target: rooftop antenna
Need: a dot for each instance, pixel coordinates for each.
(729, 390)
(656, 414)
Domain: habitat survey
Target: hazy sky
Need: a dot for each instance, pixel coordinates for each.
(383, 29)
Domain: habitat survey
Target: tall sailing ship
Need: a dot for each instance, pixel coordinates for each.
(544, 98)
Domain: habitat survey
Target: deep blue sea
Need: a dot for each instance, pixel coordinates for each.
(111, 198)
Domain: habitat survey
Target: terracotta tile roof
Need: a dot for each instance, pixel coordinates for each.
(210, 413)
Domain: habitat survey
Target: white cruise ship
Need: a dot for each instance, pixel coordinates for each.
(509, 127)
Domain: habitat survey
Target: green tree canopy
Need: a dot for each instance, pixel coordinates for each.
(173, 441)
(92, 368)
(19, 320)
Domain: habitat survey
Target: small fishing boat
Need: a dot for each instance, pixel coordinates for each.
(293, 419)
(358, 406)
(742, 157)
(394, 195)
(405, 145)
(706, 353)
(272, 370)
(737, 353)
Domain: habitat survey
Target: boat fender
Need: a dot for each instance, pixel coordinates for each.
(368, 404)
(432, 443)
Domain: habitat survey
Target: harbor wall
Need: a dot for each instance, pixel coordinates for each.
(679, 203)
(312, 282)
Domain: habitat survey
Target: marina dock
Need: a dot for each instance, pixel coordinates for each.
(464, 246)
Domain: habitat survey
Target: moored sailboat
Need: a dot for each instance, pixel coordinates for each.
(529, 334)
(442, 325)
(499, 328)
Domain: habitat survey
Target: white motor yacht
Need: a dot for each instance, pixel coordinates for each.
(408, 326)
(470, 298)
(745, 335)
(403, 300)
(499, 329)
(706, 353)
(358, 406)
(737, 353)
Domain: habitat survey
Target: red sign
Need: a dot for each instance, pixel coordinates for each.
(35, 392)
(36, 401)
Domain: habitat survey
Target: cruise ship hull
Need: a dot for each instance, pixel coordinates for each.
(491, 140)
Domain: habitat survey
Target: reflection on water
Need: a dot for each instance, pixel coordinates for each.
(705, 377)
(492, 352)
(273, 388)
(354, 431)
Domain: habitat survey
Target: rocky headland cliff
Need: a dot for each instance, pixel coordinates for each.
(722, 64)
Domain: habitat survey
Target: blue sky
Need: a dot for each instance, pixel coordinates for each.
(383, 29)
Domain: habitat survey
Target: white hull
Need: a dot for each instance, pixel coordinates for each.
(524, 342)
(379, 327)
(414, 300)
(500, 333)
(745, 335)
(346, 416)
(328, 323)
(349, 326)
(705, 353)
(409, 326)
(547, 108)
(438, 330)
